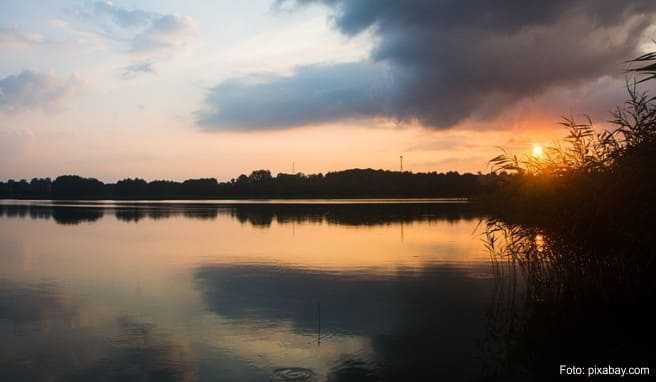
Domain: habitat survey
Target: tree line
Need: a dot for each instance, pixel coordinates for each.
(260, 183)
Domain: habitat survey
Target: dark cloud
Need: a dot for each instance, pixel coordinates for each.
(29, 90)
(312, 94)
(446, 61)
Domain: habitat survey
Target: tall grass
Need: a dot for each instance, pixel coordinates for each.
(573, 243)
(589, 179)
(583, 151)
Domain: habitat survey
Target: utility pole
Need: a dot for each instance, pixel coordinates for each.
(401, 157)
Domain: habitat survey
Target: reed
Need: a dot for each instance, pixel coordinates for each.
(571, 239)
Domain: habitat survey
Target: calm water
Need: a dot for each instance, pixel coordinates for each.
(242, 292)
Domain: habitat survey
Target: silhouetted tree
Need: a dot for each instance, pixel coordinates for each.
(351, 183)
(73, 186)
(132, 188)
(40, 186)
(207, 187)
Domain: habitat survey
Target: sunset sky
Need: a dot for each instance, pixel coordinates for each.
(176, 90)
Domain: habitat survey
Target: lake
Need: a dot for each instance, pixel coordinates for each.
(243, 291)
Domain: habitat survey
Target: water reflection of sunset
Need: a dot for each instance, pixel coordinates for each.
(315, 245)
(241, 291)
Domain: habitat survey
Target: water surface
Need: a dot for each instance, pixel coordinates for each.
(242, 291)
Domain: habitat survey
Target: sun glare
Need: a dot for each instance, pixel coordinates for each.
(537, 151)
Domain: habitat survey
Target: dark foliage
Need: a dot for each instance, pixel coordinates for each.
(572, 239)
(260, 184)
(73, 186)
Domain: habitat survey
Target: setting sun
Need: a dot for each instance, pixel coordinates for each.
(537, 151)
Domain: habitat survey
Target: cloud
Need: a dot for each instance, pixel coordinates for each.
(131, 71)
(166, 34)
(451, 61)
(30, 90)
(12, 37)
(146, 36)
(311, 95)
(112, 20)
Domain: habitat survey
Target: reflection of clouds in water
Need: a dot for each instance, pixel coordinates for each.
(351, 302)
(269, 346)
(50, 335)
(45, 338)
(33, 304)
(417, 322)
(139, 351)
(388, 309)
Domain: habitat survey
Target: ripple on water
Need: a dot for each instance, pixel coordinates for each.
(292, 374)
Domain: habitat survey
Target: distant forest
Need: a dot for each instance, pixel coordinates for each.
(355, 183)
